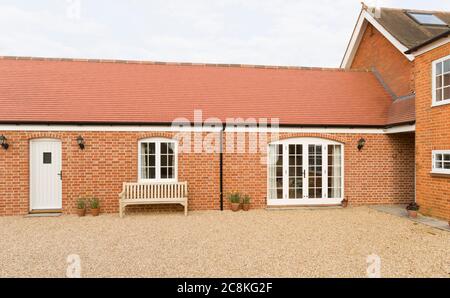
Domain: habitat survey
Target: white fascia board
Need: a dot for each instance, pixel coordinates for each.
(432, 46)
(361, 26)
(400, 129)
(355, 40)
(114, 128)
(124, 128)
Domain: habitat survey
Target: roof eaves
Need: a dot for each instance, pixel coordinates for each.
(427, 42)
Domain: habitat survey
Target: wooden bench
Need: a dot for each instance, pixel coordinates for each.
(153, 193)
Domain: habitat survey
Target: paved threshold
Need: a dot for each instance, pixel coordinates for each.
(400, 211)
(43, 215)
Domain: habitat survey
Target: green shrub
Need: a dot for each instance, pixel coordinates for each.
(246, 199)
(95, 203)
(234, 197)
(81, 204)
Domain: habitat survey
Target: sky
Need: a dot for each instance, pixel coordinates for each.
(269, 32)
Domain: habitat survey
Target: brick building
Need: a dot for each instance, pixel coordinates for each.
(286, 136)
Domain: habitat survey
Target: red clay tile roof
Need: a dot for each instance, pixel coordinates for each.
(402, 111)
(77, 91)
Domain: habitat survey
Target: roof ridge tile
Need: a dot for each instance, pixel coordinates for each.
(144, 62)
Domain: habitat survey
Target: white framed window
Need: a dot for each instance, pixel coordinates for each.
(441, 81)
(158, 160)
(441, 162)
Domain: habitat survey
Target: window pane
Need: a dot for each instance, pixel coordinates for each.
(47, 158)
(447, 79)
(446, 93)
(438, 161)
(291, 171)
(164, 173)
(447, 66)
(280, 182)
(164, 148)
(279, 160)
(439, 95)
(171, 173)
(152, 173)
(279, 193)
(438, 81)
(439, 68)
(171, 148)
(292, 149)
(447, 165)
(151, 148)
(163, 160)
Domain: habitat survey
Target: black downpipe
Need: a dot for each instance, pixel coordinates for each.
(221, 167)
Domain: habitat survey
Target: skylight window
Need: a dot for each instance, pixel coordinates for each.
(426, 19)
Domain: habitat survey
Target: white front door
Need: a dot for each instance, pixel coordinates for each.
(45, 175)
(305, 171)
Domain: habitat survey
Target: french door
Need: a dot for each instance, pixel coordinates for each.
(305, 171)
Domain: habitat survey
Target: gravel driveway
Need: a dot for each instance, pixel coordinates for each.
(296, 243)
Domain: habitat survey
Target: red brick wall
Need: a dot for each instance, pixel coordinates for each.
(433, 133)
(382, 172)
(110, 158)
(395, 69)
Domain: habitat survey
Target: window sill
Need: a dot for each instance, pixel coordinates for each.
(440, 175)
(441, 103)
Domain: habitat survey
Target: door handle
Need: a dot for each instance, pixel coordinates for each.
(304, 173)
(60, 175)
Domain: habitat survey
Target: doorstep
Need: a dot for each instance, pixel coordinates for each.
(53, 214)
(303, 207)
(400, 211)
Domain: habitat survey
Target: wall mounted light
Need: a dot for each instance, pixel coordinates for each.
(3, 142)
(81, 143)
(361, 144)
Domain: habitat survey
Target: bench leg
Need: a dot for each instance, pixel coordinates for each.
(185, 209)
(121, 210)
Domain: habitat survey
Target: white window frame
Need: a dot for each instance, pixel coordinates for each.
(305, 141)
(433, 166)
(158, 178)
(433, 83)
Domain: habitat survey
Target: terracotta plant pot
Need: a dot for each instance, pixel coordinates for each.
(246, 207)
(412, 213)
(235, 207)
(81, 212)
(95, 212)
(344, 203)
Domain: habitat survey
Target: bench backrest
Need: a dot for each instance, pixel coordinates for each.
(148, 191)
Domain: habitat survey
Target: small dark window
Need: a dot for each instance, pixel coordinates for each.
(426, 18)
(47, 158)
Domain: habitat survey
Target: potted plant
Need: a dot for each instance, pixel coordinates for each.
(235, 200)
(345, 203)
(81, 207)
(246, 203)
(95, 206)
(412, 210)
